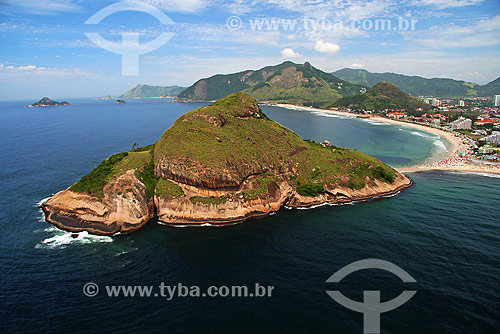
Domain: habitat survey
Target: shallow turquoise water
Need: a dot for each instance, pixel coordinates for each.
(444, 231)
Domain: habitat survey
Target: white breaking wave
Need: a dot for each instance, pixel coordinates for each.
(440, 145)
(496, 176)
(198, 225)
(392, 195)
(316, 206)
(62, 239)
(324, 114)
(426, 135)
(39, 203)
(373, 122)
(322, 204)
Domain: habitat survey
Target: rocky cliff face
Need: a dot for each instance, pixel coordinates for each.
(237, 207)
(223, 163)
(124, 208)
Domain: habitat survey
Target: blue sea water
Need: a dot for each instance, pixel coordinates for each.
(444, 231)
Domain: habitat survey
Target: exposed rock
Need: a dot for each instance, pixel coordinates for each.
(124, 208)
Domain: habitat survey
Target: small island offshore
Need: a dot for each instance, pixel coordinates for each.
(223, 163)
(46, 102)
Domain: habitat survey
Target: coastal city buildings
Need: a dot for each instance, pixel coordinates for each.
(497, 100)
(397, 115)
(487, 121)
(435, 102)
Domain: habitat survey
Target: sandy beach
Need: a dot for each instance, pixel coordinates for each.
(458, 157)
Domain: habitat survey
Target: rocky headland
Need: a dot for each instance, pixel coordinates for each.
(219, 164)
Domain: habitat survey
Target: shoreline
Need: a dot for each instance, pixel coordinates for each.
(457, 157)
(58, 209)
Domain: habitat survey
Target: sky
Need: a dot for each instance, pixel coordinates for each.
(50, 48)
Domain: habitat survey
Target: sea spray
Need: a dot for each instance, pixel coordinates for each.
(62, 239)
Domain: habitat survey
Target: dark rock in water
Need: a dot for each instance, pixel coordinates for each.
(46, 102)
(74, 235)
(120, 102)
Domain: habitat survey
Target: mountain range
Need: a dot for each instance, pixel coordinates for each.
(152, 91)
(304, 84)
(287, 82)
(420, 86)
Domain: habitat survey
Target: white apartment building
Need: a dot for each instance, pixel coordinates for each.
(461, 124)
(494, 138)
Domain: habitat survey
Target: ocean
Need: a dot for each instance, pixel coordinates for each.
(444, 231)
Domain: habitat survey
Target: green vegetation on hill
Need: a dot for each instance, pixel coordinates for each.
(262, 186)
(382, 96)
(165, 188)
(93, 182)
(286, 82)
(226, 143)
(419, 86)
(232, 139)
(152, 91)
(490, 89)
(114, 166)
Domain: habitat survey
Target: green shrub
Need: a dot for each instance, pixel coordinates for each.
(147, 176)
(262, 189)
(145, 148)
(383, 174)
(311, 189)
(356, 183)
(166, 188)
(208, 200)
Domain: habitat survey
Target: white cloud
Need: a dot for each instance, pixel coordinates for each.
(441, 4)
(265, 41)
(29, 67)
(289, 53)
(481, 33)
(355, 65)
(326, 47)
(30, 71)
(42, 7)
(186, 6)
(341, 9)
